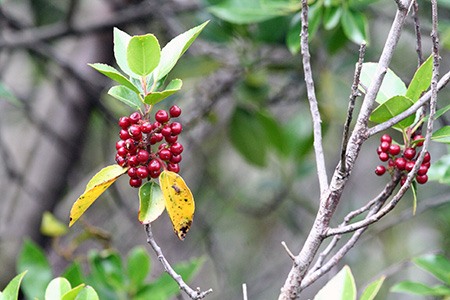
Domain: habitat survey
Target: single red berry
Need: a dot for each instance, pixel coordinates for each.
(176, 128)
(166, 130)
(123, 134)
(135, 117)
(154, 165)
(135, 182)
(391, 163)
(420, 138)
(146, 127)
(380, 170)
(142, 156)
(170, 139)
(173, 167)
(165, 154)
(156, 126)
(394, 149)
(427, 164)
(384, 146)
(121, 161)
(155, 174)
(175, 159)
(134, 130)
(132, 172)
(175, 111)
(142, 172)
(403, 180)
(400, 163)
(124, 122)
(162, 146)
(379, 150)
(383, 156)
(176, 148)
(409, 153)
(156, 138)
(422, 179)
(386, 138)
(409, 165)
(120, 144)
(422, 170)
(122, 151)
(133, 161)
(427, 157)
(162, 116)
(130, 144)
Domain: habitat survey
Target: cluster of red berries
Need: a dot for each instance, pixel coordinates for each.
(388, 151)
(138, 136)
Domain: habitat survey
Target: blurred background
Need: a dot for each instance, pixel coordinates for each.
(247, 134)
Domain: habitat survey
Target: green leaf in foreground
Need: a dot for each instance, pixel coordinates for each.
(340, 287)
(392, 108)
(126, 95)
(421, 80)
(372, 289)
(438, 265)
(155, 97)
(88, 293)
(151, 202)
(418, 288)
(11, 291)
(57, 288)
(442, 135)
(143, 54)
(121, 40)
(115, 75)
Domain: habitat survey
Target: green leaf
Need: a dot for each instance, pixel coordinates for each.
(138, 267)
(88, 293)
(51, 226)
(126, 95)
(107, 267)
(248, 136)
(151, 202)
(438, 265)
(392, 108)
(143, 54)
(418, 288)
(340, 287)
(372, 289)
(293, 35)
(244, 12)
(274, 132)
(421, 80)
(33, 259)
(11, 291)
(392, 84)
(440, 170)
(57, 288)
(8, 95)
(73, 293)
(331, 17)
(442, 135)
(74, 273)
(354, 25)
(175, 49)
(155, 97)
(121, 40)
(115, 75)
(95, 187)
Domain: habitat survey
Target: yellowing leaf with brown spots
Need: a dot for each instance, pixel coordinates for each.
(95, 187)
(179, 201)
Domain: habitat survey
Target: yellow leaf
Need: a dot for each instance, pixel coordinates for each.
(180, 203)
(51, 226)
(95, 187)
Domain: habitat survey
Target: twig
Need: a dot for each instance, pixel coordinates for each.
(289, 252)
(351, 104)
(193, 294)
(418, 34)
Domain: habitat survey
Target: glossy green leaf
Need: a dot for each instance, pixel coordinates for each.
(74, 273)
(143, 54)
(7, 95)
(438, 265)
(155, 97)
(151, 202)
(392, 108)
(442, 135)
(340, 287)
(421, 80)
(88, 293)
(175, 49)
(73, 293)
(107, 267)
(392, 84)
(138, 267)
(33, 259)
(95, 187)
(331, 17)
(126, 95)
(244, 12)
(11, 291)
(248, 136)
(354, 25)
(51, 226)
(115, 75)
(371, 291)
(418, 288)
(121, 40)
(57, 288)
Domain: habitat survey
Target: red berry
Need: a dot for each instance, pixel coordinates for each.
(380, 170)
(386, 138)
(403, 180)
(420, 138)
(171, 139)
(379, 150)
(133, 161)
(156, 125)
(400, 163)
(427, 164)
(162, 146)
(391, 163)
(422, 179)
(176, 128)
(173, 167)
(142, 172)
(146, 127)
(165, 154)
(130, 144)
(394, 149)
(175, 111)
(409, 165)
(175, 159)
(120, 144)
(134, 130)
(383, 156)
(132, 172)
(422, 170)
(143, 156)
(124, 122)
(121, 161)
(122, 151)
(135, 182)
(384, 146)
(155, 174)
(176, 148)
(427, 157)
(156, 138)
(135, 117)
(123, 134)
(409, 153)
(166, 130)
(154, 165)
(162, 116)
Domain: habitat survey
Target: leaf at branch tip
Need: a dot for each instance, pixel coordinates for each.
(95, 187)
(125, 95)
(57, 288)
(372, 289)
(121, 40)
(11, 291)
(392, 108)
(115, 75)
(155, 97)
(143, 54)
(421, 80)
(354, 25)
(179, 202)
(340, 287)
(151, 202)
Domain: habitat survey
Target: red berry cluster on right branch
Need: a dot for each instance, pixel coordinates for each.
(402, 158)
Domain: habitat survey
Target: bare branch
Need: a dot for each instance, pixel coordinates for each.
(193, 294)
(418, 34)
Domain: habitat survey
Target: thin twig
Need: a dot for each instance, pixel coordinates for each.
(418, 34)
(194, 294)
(289, 252)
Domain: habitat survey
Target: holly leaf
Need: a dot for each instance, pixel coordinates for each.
(179, 202)
(421, 80)
(143, 54)
(95, 187)
(151, 202)
(57, 288)
(11, 291)
(442, 135)
(392, 108)
(125, 95)
(340, 287)
(121, 40)
(372, 289)
(155, 97)
(354, 25)
(115, 75)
